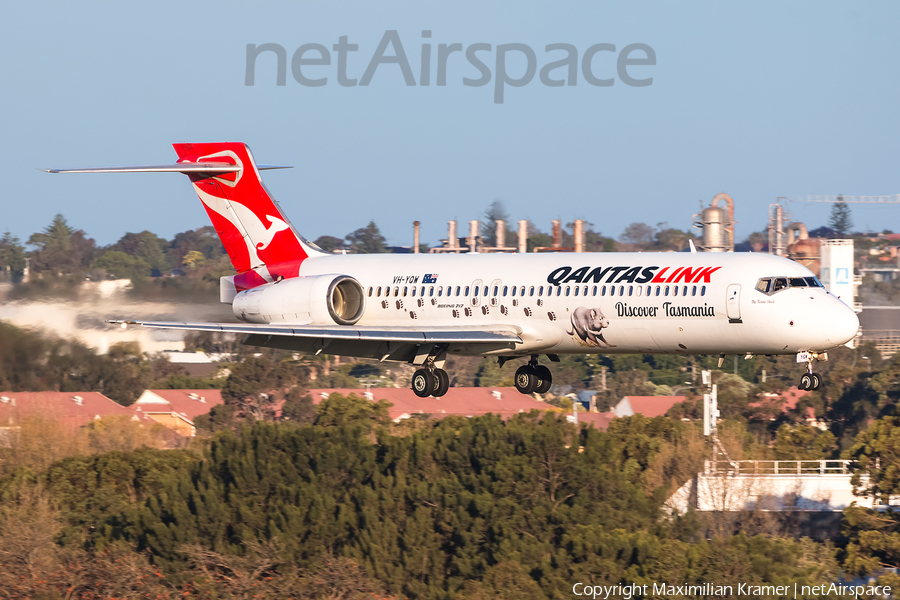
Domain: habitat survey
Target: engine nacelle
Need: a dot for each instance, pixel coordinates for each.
(318, 300)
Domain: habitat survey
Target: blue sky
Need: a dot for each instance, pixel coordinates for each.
(758, 100)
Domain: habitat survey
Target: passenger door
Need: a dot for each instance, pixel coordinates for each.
(733, 303)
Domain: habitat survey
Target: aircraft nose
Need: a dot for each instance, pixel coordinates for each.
(844, 324)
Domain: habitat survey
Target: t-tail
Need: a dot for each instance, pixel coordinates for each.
(260, 241)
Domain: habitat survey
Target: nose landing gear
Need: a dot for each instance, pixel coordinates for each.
(810, 380)
(533, 378)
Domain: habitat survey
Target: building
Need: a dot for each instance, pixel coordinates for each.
(649, 406)
(176, 409)
(463, 402)
(772, 405)
(72, 409)
(599, 421)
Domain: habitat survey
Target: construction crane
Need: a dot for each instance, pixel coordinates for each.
(895, 199)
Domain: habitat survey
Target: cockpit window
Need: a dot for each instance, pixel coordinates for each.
(772, 285)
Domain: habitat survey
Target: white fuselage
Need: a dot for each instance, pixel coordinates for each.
(688, 303)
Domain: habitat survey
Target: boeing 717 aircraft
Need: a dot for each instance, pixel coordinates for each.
(422, 308)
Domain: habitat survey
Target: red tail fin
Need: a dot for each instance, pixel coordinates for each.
(260, 241)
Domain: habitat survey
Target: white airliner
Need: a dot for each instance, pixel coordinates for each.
(421, 308)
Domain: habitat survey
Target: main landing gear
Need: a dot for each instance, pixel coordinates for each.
(533, 377)
(810, 380)
(430, 382)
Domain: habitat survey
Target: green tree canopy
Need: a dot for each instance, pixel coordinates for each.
(60, 249)
(840, 220)
(367, 240)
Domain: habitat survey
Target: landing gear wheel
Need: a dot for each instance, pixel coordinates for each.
(806, 382)
(816, 381)
(441, 383)
(423, 383)
(545, 379)
(526, 380)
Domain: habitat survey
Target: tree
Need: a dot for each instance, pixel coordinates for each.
(61, 249)
(202, 240)
(329, 243)
(840, 219)
(367, 240)
(495, 212)
(298, 407)
(147, 246)
(638, 235)
(121, 265)
(12, 256)
(672, 239)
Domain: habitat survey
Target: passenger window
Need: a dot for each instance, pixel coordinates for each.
(496, 289)
(467, 290)
(703, 290)
(667, 291)
(531, 291)
(485, 291)
(621, 290)
(657, 290)
(694, 291)
(684, 291)
(603, 291)
(541, 291)
(405, 291)
(370, 291)
(431, 291)
(378, 293)
(639, 288)
(414, 292)
(576, 290)
(440, 290)
(513, 290)
(594, 292)
(422, 291)
(396, 291)
(567, 290)
(585, 291)
(559, 291)
(630, 290)
(612, 290)
(674, 290)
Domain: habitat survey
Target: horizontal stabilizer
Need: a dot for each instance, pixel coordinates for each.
(186, 168)
(384, 334)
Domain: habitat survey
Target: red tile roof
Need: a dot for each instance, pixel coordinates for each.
(652, 406)
(770, 405)
(466, 402)
(73, 409)
(187, 403)
(600, 421)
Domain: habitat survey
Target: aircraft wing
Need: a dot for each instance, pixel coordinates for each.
(502, 334)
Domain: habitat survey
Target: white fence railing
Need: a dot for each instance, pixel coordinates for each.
(777, 467)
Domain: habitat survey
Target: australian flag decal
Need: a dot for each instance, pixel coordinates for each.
(430, 278)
